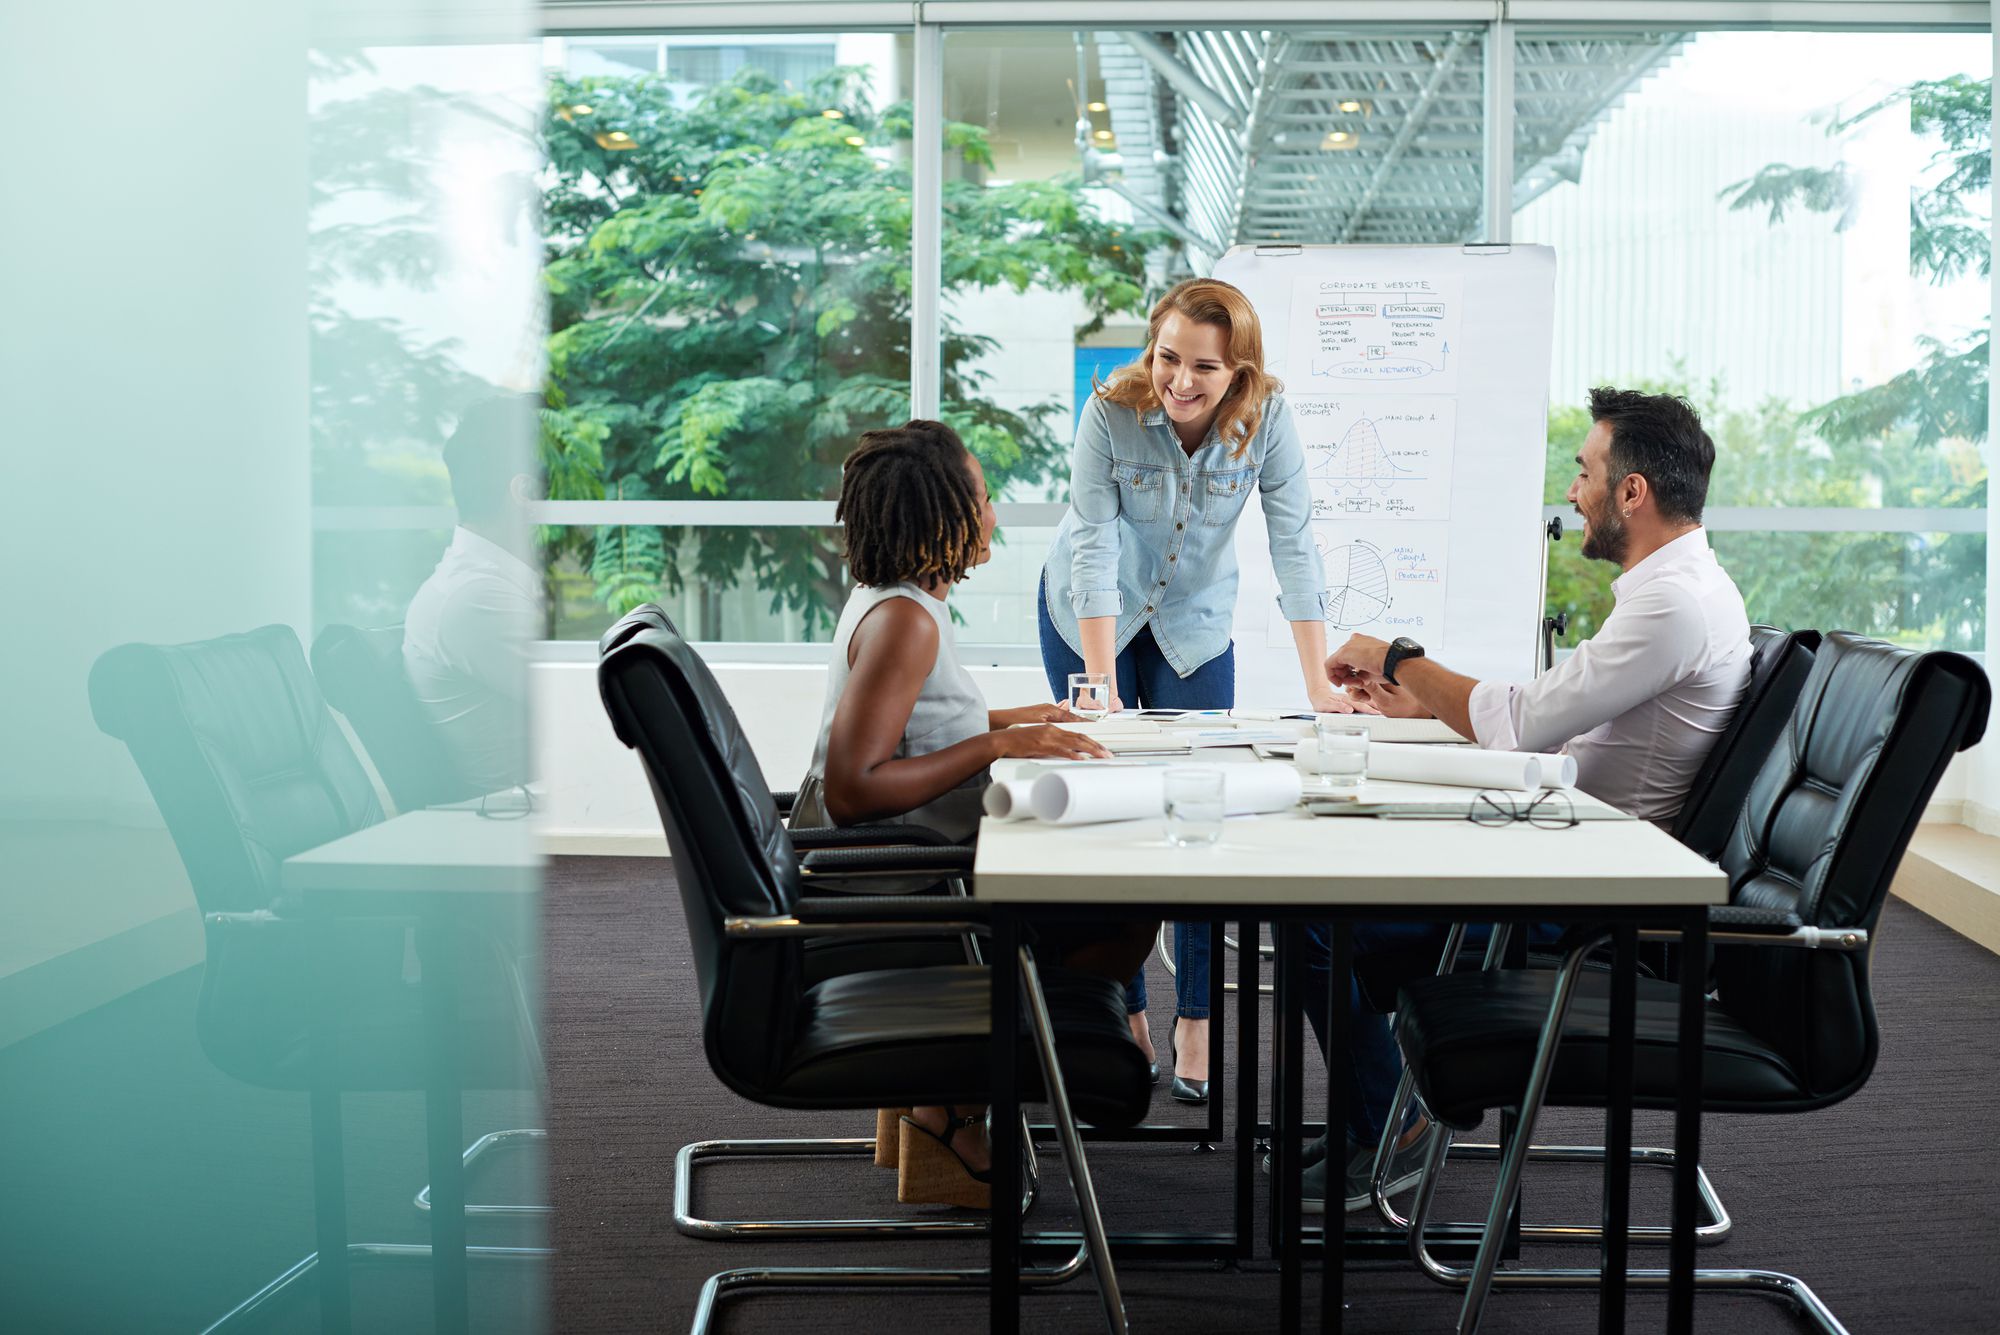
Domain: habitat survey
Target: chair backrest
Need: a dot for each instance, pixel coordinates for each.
(646, 616)
(1821, 833)
(1780, 661)
(242, 756)
(361, 672)
(731, 853)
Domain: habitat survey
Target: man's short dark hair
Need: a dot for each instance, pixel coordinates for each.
(492, 444)
(1659, 437)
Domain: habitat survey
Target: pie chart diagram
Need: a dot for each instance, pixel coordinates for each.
(1357, 585)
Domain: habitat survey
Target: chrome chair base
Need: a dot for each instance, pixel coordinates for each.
(1094, 1248)
(250, 1312)
(1770, 1283)
(493, 1140)
(750, 1230)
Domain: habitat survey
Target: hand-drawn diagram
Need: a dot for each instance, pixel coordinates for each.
(1368, 333)
(1381, 579)
(1384, 455)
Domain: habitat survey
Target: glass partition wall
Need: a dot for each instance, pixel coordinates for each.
(1803, 258)
(276, 344)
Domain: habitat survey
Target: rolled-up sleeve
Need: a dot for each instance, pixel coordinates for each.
(1094, 505)
(1644, 647)
(1286, 496)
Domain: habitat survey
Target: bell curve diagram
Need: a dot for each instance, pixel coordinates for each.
(1383, 455)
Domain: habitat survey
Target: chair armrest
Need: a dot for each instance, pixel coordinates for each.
(786, 799)
(805, 838)
(869, 916)
(1751, 925)
(848, 863)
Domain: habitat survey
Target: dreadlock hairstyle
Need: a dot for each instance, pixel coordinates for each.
(907, 500)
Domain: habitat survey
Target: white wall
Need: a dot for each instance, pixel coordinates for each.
(598, 801)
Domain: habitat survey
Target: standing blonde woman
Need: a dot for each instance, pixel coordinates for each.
(1141, 581)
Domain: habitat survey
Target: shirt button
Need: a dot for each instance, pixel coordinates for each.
(1179, 527)
(1172, 556)
(1149, 607)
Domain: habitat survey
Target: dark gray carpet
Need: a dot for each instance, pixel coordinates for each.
(1885, 1204)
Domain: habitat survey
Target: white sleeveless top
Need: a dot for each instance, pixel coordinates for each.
(948, 710)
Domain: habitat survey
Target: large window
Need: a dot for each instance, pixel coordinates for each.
(733, 221)
(1805, 259)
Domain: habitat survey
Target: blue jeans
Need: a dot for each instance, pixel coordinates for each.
(1374, 1063)
(1147, 681)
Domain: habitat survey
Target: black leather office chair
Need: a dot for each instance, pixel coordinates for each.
(248, 768)
(1791, 1024)
(361, 672)
(1779, 664)
(886, 1037)
(837, 860)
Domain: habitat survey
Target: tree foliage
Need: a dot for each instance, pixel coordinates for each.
(730, 289)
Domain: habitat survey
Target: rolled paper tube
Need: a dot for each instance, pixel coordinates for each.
(1085, 794)
(1008, 799)
(1468, 766)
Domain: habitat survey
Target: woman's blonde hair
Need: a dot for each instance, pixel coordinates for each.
(1206, 301)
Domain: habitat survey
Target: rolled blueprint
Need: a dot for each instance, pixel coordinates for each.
(1007, 799)
(1469, 766)
(1083, 794)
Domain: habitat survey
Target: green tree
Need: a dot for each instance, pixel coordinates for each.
(729, 284)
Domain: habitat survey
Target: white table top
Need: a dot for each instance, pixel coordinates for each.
(422, 853)
(1294, 858)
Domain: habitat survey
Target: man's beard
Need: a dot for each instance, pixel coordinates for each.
(1604, 535)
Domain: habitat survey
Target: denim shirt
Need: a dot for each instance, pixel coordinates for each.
(1151, 531)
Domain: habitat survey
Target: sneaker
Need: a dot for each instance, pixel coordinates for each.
(1309, 1154)
(1406, 1166)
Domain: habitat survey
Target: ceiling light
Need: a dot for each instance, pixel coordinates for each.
(583, 108)
(831, 114)
(1104, 134)
(1350, 105)
(1098, 106)
(615, 141)
(856, 140)
(1338, 137)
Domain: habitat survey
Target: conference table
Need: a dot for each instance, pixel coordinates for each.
(1291, 869)
(451, 871)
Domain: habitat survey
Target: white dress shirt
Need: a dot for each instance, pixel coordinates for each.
(465, 650)
(1640, 703)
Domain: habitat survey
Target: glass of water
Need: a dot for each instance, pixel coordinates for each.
(1194, 805)
(1343, 751)
(1089, 694)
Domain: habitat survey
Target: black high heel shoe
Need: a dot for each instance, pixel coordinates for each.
(1184, 1090)
(930, 1172)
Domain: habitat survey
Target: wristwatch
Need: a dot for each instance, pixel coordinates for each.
(1400, 649)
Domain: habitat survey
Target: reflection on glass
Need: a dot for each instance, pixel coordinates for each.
(234, 963)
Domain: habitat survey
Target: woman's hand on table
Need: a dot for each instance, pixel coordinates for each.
(1055, 713)
(1330, 701)
(1046, 741)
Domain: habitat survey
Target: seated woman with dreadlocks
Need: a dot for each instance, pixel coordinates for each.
(906, 735)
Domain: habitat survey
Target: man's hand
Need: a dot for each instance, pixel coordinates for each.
(1391, 700)
(1360, 658)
